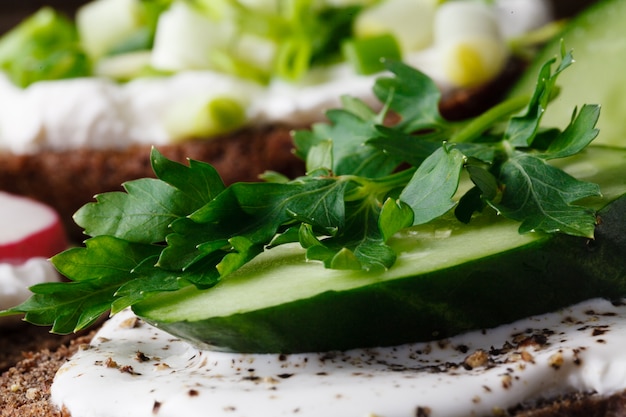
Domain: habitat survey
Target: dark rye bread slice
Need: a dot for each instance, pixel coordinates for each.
(25, 388)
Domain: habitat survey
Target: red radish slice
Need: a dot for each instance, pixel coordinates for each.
(28, 229)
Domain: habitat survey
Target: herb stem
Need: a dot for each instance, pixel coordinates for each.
(369, 186)
(485, 121)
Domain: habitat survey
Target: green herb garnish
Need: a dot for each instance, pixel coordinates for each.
(43, 47)
(365, 181)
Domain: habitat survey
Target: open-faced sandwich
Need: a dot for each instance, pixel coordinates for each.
(420, 267)
(82, 102)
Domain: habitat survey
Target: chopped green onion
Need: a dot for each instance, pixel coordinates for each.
(204, 117)
(468, 37)
(42, 47)
(123, 67)
(294, 56)
(367, 54)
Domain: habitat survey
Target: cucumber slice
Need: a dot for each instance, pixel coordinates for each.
(449, 278)
(597, 38)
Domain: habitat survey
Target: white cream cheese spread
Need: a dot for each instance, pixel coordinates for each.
(16, 279)
(100, 113)
(135, 370)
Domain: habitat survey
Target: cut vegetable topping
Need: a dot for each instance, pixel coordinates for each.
(366, 182)
(25, 51)
(254, 40)
(103, 24)
(472, 48)
(205, 117)
(367, 54)
(409, 21)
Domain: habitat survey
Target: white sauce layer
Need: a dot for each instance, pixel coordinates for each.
(135, 370)
(99, 113)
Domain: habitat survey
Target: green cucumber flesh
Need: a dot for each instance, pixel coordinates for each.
(449, 278)
(597, 38)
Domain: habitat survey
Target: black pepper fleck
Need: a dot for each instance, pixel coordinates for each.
(599, 331)
(462, 348)
(127, 369)
(422, 412)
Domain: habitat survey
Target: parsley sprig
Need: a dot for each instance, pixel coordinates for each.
(365, 181)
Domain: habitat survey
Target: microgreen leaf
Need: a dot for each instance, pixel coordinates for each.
(243, 251)
(522, 129)
(394, 216)
(320, 156)
(577, 135)
(484, 180)
(199, 181)
(149, 206)
(103, 257)
(471, 202)
(68, 307)
(430, 191)
(349, 134)
(154, 281)
(98, 270)
(142, 214)
(412, 95)
(540, 196)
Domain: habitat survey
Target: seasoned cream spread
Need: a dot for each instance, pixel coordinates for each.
(133, 369)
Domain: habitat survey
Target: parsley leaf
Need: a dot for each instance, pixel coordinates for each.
(430, 191)
(540, 196)
(368, 178)
(98, 271)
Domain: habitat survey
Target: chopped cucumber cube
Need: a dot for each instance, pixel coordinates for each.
(103, 24)
(410, 21)
(185, 38)
(200, 117)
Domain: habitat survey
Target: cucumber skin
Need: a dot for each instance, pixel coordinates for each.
(596, 37)
(541, 276)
